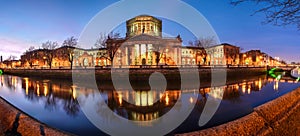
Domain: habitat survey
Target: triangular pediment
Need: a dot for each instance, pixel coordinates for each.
(144, 37)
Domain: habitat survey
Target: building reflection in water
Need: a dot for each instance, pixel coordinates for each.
(146, 105)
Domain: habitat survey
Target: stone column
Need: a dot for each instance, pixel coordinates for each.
(146, 54)
(140, 54)
(175, 56)
(126, 55)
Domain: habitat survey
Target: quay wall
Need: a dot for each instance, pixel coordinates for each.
(266, 119)
(136, 73)
(14, 122)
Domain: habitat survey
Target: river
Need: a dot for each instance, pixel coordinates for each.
(59, 103)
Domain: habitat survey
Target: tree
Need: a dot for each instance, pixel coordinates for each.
(31, 48)
(70, 43)
(159, 52)
(112, 42)
(28, 56)
(8, 62)
(203, 42)
(277, 12)
(48, 47)
(101, 41)
(11, 57)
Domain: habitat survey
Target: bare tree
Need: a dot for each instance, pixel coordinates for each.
(28, 56)
(111, 42)
(31, 48)
(203, 42)
(48, 47)
(11, 57)
(70, 43)
(101, 41)
(159, 52)
(8, 62)
(277, 12)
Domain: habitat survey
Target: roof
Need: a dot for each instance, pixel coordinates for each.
(144, 37)
(143, 15)
(192, 47)
(223, 44)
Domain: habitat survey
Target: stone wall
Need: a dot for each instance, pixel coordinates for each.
(14, 122)
(264, 120)
(135, 73)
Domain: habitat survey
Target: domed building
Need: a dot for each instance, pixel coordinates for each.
(144, 24)
(144, 44)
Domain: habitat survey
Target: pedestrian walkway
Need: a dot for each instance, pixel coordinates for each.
(289, 127)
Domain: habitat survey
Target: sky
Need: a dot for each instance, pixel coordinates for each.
(25, 23)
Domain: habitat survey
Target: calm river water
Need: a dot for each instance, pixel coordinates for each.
(59, 103)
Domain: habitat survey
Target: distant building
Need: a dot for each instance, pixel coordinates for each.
(192, 55)
(62, 56)
(35, 58)
(10, 64)
(223, 54)
(90, 57)
(254, 57)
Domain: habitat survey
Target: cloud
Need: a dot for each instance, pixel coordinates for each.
(12, 46)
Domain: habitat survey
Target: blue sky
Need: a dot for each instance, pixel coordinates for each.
(31, 22)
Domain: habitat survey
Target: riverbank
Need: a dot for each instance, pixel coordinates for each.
(14, 122)
(278, 117)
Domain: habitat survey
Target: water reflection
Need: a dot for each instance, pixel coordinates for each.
(51, 93)
(57, 94)
(144, 107)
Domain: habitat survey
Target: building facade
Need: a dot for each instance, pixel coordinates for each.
(145, 49)
(191, 55)
(223, 54)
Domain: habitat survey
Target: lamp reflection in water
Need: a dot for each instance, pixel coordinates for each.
(45, 89)
(259, 84)
(244, 87)
(14, 82)
(191, 100)
(167, 99)
(249, 89)
(120, 99)
(38, 89)
(276, 85)
(26, 85)
(74, 95)
(217, 92)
